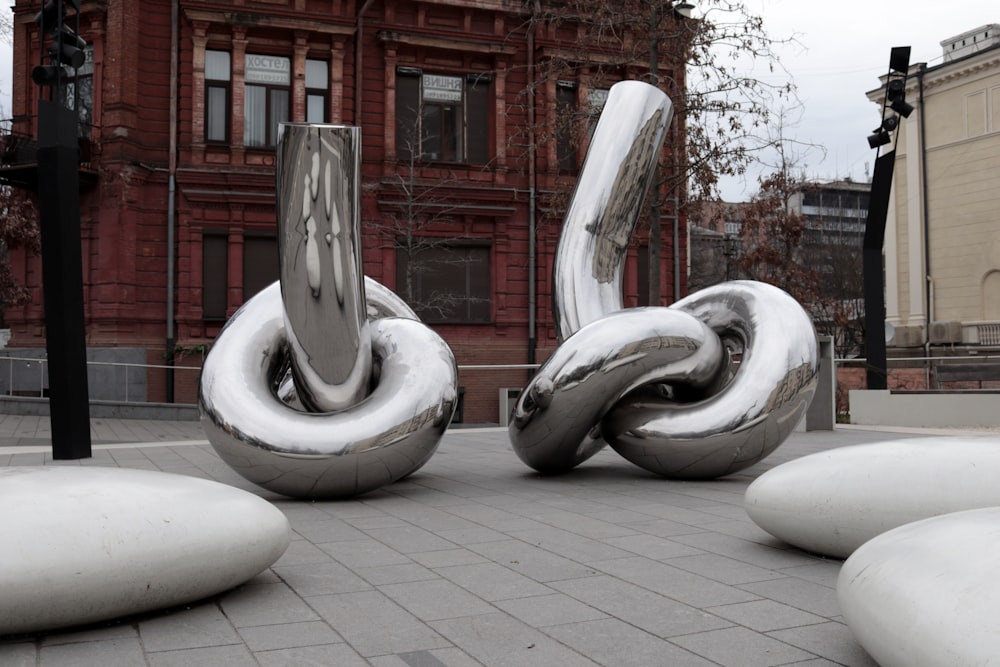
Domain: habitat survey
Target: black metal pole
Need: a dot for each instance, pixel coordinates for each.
(874, 283)
(62, 278)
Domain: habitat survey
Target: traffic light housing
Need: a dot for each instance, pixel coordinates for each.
(67, 48)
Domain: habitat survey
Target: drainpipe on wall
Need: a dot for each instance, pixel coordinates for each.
(677, 249)
(533, 189)
(928, 281)
(358, 34)
(171, 196)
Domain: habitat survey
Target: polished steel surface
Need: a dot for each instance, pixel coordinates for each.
(383, 302)
(617, 172)
(752, 414)
(703, 388)
(318, 192)
(324, 455)
(325, 384)
(552, 422)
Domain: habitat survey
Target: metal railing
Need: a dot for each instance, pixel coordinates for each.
(42, 363)
(23, 366)
(927, 364)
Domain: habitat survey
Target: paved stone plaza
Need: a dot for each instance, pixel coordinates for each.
(477, 560)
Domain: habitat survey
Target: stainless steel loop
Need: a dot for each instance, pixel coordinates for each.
(325, 384)
(752, 412)
(616, 173)
(318, 171)
(659, 384)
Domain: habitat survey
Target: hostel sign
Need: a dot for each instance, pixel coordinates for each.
(273, 70)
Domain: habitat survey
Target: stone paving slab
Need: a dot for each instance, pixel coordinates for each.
(477, 560)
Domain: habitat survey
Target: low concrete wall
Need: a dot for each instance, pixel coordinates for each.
(21, 405)
(113, 373)
(871, 407)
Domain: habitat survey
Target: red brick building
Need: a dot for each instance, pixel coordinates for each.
(462, 148)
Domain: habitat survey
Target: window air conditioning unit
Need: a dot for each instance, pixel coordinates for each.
(508, 397)
(943, 332)
(907, 337)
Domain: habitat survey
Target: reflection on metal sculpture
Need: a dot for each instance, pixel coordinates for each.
(659, 384)
(325, 384)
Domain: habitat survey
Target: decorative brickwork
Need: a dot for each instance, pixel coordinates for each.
(226, 189)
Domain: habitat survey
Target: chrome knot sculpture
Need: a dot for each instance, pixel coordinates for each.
(325, 384)
(660, 385)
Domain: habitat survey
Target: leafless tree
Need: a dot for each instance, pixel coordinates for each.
(720, 114)
(419, 222)
(814, 260)
(18, 229)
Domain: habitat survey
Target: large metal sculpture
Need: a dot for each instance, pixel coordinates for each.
(325, 384)
(701, 389)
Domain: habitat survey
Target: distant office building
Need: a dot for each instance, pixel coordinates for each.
(833, 216)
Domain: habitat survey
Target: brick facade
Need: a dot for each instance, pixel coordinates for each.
(227, 189)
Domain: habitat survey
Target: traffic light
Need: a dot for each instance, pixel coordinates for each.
(67, 48)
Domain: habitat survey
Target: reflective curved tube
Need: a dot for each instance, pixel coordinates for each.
(325, 384)
(618, 169)
(318, 198)
(324, 455)
(681, 412)
(552, 420)
(750, 416)
(381, 302)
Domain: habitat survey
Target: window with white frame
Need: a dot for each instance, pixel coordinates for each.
(217, 92)
(317, 76)
(266, 98)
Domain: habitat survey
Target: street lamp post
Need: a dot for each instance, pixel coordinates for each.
(878, 209)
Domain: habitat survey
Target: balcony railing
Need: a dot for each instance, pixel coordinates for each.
(19, 154)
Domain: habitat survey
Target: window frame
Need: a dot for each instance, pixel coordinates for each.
(565, 122)
(258, 245)
(597, 97)
(471, 123)
(215, 84)
(475, 303)
(269, 88)
(215, 275)
(83, 75)
(321, 92)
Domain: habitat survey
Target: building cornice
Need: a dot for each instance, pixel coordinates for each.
(590, 58)
(444, 43)
(963, 71)
(252, 19)
(944, 75)
(508, 6)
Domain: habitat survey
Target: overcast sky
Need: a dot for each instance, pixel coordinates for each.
(843, 48)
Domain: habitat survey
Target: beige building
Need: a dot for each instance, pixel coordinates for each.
(942, 238)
